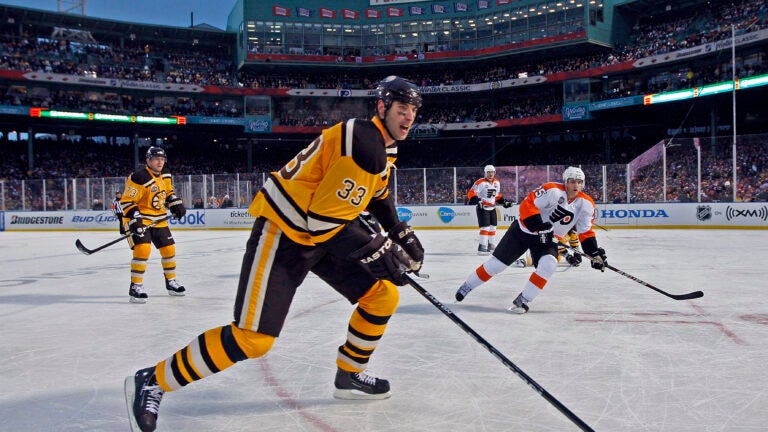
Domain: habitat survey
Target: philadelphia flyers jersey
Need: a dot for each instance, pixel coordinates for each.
(551, 201)
(329, 183)
(145, 194)
(487, 191)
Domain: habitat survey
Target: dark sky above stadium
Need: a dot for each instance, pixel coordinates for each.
(163, 12)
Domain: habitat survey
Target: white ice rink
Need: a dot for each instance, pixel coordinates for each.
(617, 354)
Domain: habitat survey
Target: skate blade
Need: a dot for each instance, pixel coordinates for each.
(129, 387)
(358, 395)
(175, 293)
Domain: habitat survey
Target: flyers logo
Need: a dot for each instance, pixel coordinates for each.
(562, 215)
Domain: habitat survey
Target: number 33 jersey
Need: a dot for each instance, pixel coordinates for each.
(329, 183)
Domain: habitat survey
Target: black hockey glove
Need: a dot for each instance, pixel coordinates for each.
(136, 227)
(574, 260)
(403, 235)
(473, 201)
(506, 203)
(384, 258)
(177, 207)
(599, 259)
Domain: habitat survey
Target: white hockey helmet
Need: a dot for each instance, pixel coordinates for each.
(573, 173)
(489, 169)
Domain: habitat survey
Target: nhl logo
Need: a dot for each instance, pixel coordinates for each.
(703, 212)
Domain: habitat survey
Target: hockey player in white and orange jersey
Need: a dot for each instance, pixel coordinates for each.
(551, 210)
(307, 221)
(485, 193)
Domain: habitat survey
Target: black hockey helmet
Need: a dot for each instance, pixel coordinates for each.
(155, 151)
(394, 88)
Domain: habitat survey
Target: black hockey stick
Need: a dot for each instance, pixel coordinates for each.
(81, 247)
(688, 296)
(496, 353)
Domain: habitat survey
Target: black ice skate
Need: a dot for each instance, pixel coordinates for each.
(174, 287)
(136, 293)
(142, 397)
(462, 292)
(520, 305)
(482, 250)
(359, 385)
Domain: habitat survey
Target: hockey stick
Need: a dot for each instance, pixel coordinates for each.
(81, 247)
(688, 296)
(496, 353)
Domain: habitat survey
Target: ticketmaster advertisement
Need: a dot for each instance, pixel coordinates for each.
(648, 215)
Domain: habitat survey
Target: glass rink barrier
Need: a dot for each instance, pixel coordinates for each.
(714, 169)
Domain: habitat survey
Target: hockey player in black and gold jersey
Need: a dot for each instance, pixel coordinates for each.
(307, 221)
(148, 191)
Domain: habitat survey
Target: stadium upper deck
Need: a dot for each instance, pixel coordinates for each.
(578, 73)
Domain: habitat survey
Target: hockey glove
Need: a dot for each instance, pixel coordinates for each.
(574, 260)
(403, 235)
(384, 258)
(507, 203)
(136, 227)
(176, 206)
(473, 201)
(599, 259)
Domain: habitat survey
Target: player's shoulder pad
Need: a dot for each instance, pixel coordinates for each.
(366, 147)
(586, 197)
(141, 176)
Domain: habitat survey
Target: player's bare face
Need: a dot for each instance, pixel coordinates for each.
(156, 164)
(573, 187)
(399, 119)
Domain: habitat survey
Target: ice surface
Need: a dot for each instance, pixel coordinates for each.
(618, 355)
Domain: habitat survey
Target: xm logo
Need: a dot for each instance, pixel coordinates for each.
(760, 213)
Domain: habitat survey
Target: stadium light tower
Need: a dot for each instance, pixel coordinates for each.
(72, 6)
(733, 81)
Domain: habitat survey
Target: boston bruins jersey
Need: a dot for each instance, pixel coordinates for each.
(329, 183)
(145, 194)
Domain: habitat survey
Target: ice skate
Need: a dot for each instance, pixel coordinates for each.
(174, 287)
(462, 292)
(491, 247)
(520, 305)
(142, 398)
(520, 262)
(359, 385)
(482, 250)
(136, 293)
